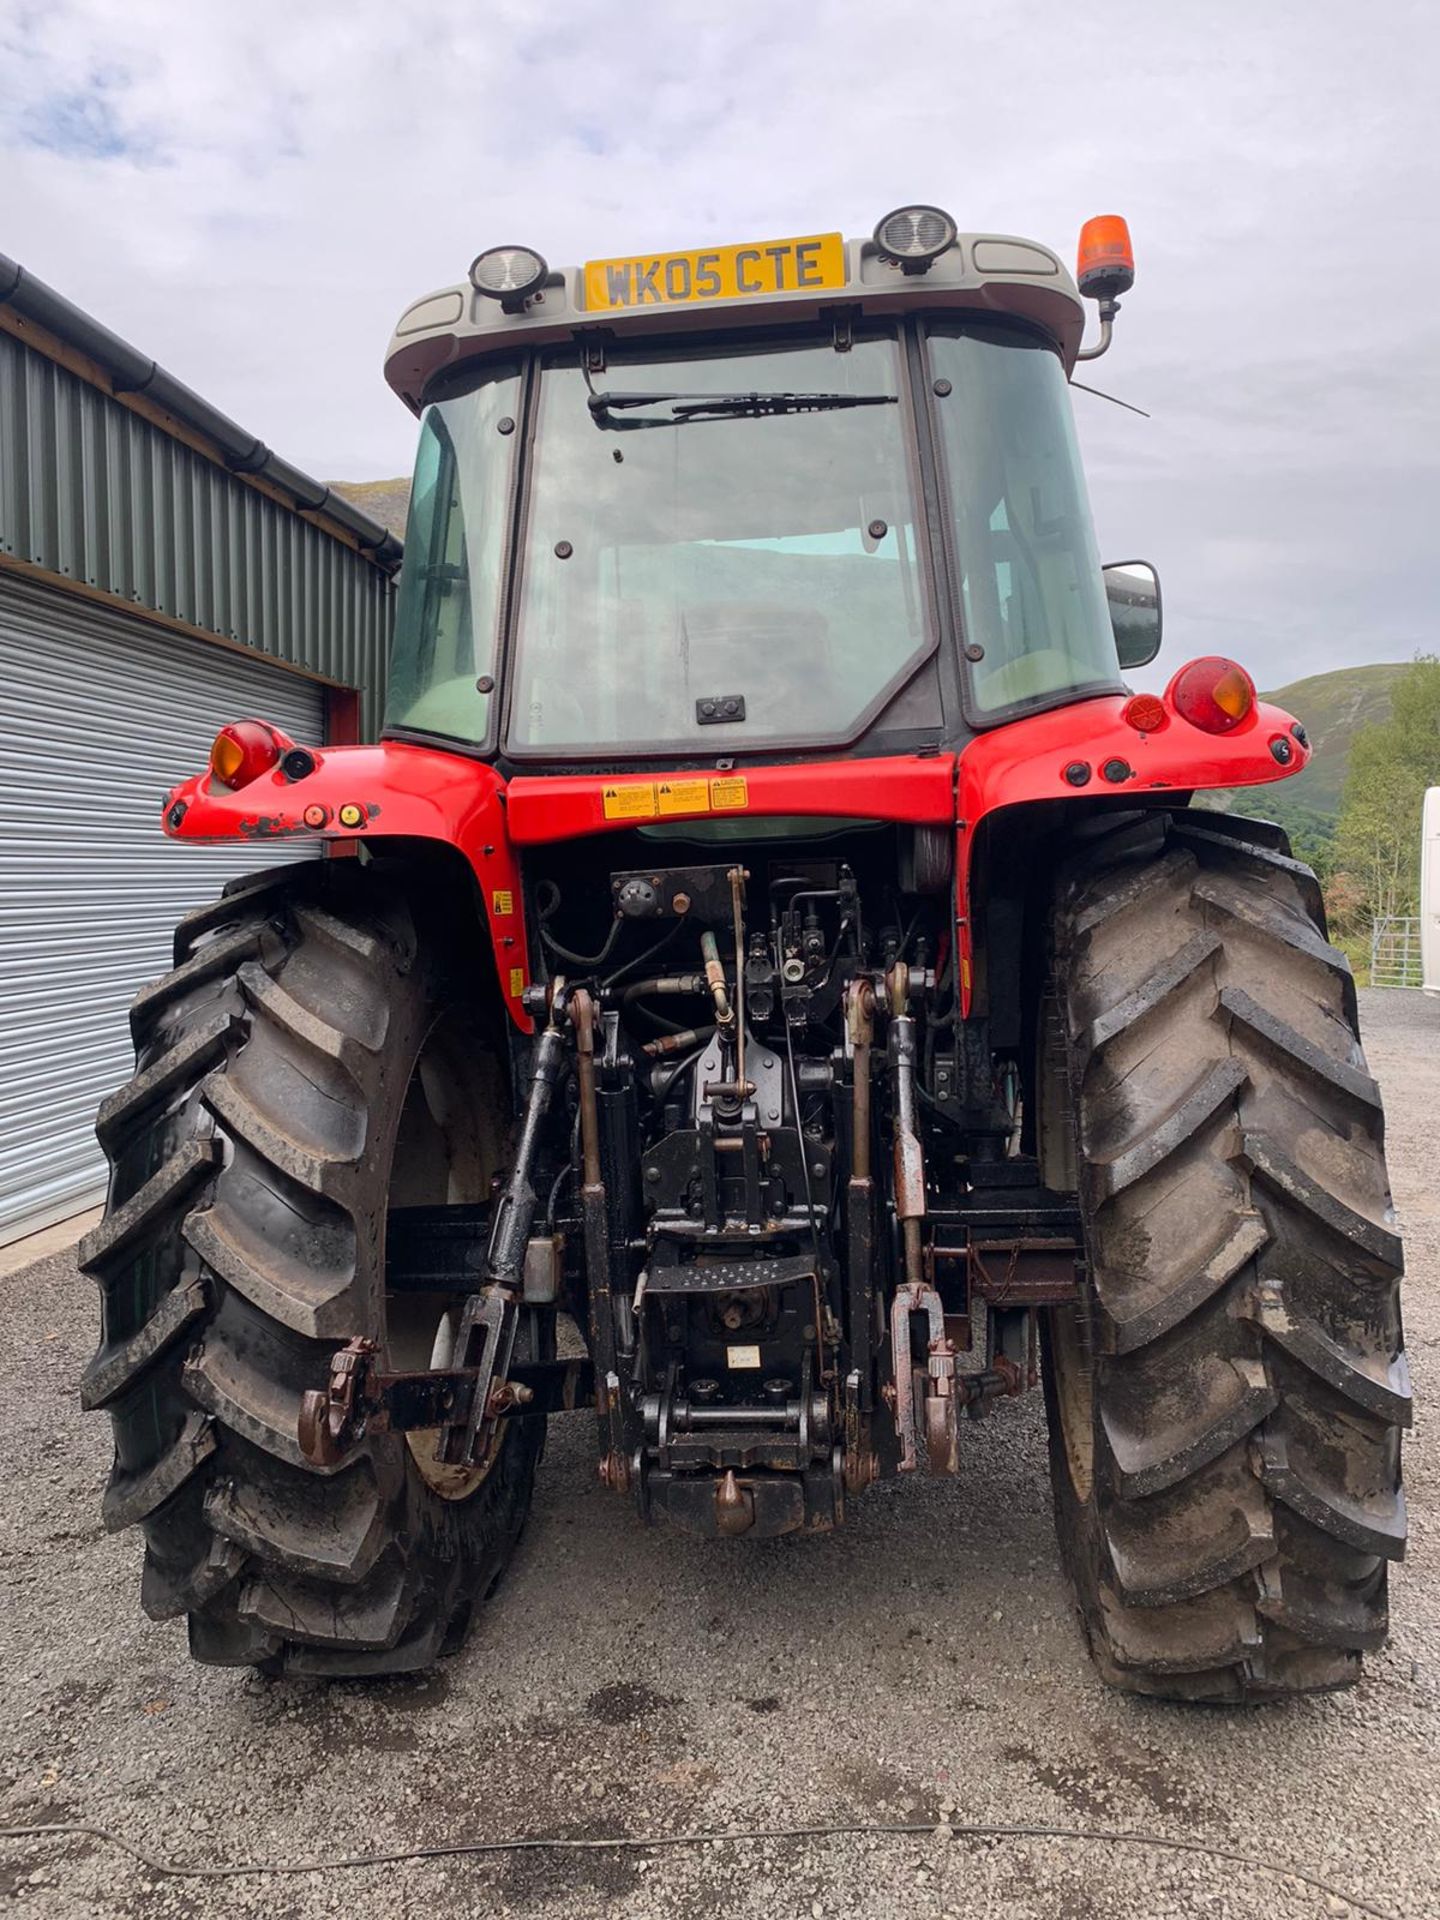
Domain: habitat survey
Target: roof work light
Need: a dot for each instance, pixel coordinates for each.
(914, 236)
(508, 273)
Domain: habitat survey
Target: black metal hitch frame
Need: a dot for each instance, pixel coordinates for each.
(363, 1398)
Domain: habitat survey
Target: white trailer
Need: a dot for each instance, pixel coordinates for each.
(1430, 892)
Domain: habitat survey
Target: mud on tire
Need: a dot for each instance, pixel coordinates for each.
(252, 1155)
(1226, 1404)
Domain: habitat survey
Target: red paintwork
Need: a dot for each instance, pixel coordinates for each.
(425, 793)
(410, 791)
(1027, 761)
(909, 787)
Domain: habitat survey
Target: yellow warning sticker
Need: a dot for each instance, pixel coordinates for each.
(635, 801)
(684, 796)
(517, 981)
(503, 902)
(730, 793)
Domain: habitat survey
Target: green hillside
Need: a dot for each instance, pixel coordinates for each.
(384, 500)
(1334, 707)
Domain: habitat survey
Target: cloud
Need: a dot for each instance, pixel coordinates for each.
(253, 194)
(76, 123)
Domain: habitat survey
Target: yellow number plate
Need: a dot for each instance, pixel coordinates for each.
(720, 273)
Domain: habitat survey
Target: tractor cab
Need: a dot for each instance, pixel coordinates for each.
(808, 496)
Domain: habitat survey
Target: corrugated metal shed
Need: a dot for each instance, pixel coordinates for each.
(90, 888)
(161, 572)
(202, 525)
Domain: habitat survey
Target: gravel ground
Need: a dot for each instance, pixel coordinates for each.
(626, 1681)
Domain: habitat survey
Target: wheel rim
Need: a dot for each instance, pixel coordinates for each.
(446, 1150)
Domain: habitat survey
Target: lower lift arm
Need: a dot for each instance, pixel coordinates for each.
(483, 1386)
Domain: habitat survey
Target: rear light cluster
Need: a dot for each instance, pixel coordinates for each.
(241, 752)
(1212, 693)
(245, 749)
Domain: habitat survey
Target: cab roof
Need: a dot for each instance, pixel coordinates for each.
(983, 273)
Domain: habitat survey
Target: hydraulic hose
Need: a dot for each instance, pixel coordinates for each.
(666, 983)
(715, 976)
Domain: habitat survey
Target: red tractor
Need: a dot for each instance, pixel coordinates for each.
(783, 953)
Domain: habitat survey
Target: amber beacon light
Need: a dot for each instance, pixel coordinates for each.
(1105, 265)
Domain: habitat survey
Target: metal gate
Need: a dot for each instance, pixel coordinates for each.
(99, 714)
(1395, 950)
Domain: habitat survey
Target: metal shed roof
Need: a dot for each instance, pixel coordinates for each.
(133, 373)
(118, 480)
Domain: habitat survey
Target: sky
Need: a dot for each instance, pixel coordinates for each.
(252, 194)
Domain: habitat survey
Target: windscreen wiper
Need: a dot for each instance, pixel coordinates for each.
(694, 406)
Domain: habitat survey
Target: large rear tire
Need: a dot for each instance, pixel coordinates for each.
(1226, 1402)
(313, 1059)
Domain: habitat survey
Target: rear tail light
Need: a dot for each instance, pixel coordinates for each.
(241, 752)
(1212, 693)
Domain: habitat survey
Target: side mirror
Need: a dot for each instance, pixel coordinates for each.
(1132, 588)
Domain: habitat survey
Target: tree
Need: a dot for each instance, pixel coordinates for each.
(1377, 842)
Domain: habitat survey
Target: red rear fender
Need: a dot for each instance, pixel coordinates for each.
(361, 795)
(1091, 751)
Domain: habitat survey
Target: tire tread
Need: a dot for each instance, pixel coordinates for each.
(1251, 1390)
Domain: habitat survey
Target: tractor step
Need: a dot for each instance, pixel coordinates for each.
(730, 1276)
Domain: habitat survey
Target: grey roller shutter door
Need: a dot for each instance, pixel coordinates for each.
(100, 713)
